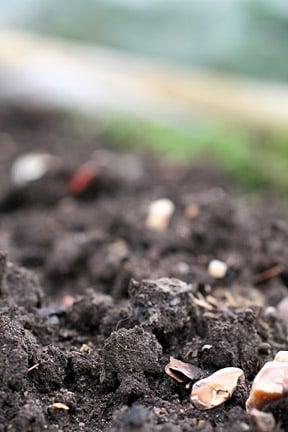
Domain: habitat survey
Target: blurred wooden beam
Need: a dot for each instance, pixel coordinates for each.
(89, 78)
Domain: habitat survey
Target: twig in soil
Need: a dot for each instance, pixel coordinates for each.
(213, 301)
(35, 366)
(268, 274)
(203, 304)
(201, 301)
(78, 353)
(230, 299)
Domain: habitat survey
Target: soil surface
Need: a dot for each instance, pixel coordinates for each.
(93, 303)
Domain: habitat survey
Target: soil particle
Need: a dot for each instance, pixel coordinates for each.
(123, 349)
(17, 345)
(87, 312)
(50, 374)
(29, 417)
(279, 410)
(164, 306)
(23, 287)
(232, 342)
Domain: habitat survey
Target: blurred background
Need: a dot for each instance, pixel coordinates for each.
(246, 36)
(184, 78)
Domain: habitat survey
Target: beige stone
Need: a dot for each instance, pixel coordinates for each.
(271, 382)
(159, 214)
(217, 269)
(213, 391)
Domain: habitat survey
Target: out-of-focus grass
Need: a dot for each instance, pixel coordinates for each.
(256, 159)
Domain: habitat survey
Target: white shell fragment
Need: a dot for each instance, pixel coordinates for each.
(217, 269)
(30, 167)
(271, 383)
(159, 214)
(213, 391)
(181, 371)
(58, 406)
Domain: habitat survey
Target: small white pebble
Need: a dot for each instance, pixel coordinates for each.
(159, 214)
(217, 269)
(30, 167)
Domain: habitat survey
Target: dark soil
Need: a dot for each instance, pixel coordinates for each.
(138, 296)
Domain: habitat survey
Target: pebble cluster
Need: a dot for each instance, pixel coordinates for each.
(270, 384)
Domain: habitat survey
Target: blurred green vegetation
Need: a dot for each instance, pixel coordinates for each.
(243, 36)
(257, 160)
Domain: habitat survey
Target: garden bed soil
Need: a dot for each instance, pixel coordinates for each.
(93, 303)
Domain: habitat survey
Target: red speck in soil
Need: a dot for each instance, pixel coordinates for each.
(82, 179)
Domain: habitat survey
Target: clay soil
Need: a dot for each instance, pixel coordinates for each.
(93, 303)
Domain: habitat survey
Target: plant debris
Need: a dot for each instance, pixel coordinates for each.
(181, 371)
(33, 367)
(268, 274)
